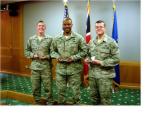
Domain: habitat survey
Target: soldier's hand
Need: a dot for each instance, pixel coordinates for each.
(60, 59)
(86, 60)
(43, 57)
(69, 59)
(35, 56)
(97, 62)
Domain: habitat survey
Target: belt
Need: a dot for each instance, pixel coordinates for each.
(65, 62)
(40, 59)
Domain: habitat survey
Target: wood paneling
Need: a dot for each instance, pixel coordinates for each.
(5, 51)
(11, 41)
(6, 63)
(130, 73)
(5, 29)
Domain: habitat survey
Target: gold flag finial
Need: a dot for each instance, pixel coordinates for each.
(88, 7)
(114, 6)
(65, 2)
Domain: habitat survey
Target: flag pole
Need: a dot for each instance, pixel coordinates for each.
(115, 37)
(87, 38)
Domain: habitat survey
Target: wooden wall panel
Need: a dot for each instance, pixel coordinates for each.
(130, 73)
(15, 35)
(6, 51)
(5, 29)
(24, 64)
(11, 40)
(5, 41)
(6, 63)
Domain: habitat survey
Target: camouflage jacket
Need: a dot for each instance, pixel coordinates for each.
(108, 53)
(34, 46)
(74, 47)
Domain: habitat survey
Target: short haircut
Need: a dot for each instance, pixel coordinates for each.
(101, 21)
(67, 18)
(40, 21)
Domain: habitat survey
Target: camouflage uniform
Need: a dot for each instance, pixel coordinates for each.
(101, 76)
(40, 69)
(69, 73)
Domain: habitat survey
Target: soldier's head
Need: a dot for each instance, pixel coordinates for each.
(100, 27)
(67, 26)
(40, 27)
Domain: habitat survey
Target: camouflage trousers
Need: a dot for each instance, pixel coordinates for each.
(101, 90)
(39, 77)
(74, 82)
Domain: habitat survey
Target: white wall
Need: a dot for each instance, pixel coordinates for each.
(128, 16)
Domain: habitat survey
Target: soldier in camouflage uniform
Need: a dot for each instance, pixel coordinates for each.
(38, 50)
(68, 48)
(103, 56)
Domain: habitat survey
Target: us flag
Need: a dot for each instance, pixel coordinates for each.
(66, 14)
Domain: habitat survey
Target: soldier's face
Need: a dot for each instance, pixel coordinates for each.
(67, 26)
(100, 28)
(41, 27)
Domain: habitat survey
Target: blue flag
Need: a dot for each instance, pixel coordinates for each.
(115, 37)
